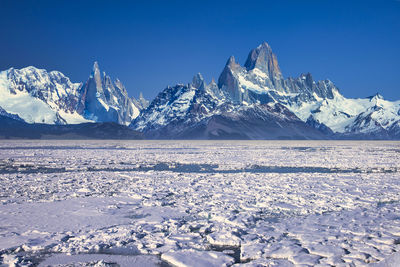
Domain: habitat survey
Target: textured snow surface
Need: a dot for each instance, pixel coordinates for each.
(199, 203)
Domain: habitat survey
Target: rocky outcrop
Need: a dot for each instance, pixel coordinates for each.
(103, 100)
(261, 81)
(307, 88)
(263, 59)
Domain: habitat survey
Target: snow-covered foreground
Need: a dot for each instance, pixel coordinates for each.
(199, 203)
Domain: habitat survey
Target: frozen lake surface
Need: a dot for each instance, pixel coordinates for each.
(199, 203)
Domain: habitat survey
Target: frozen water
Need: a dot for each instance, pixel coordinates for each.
(199, 203)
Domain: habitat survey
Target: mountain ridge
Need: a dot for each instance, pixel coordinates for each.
(317, 104)
(253, 101)
(39, 96)
(19, 129)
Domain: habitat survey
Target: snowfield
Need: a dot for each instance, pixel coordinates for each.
(199, 203)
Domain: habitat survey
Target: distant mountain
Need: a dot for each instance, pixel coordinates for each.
(368, 118)
(201, 111)
(256, 102)
(253, 101)
(11, 128)
(38, 96)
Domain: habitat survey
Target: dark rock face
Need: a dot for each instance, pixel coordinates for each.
(394, 130)
(320, 126)
(306, 87)
(263, 59)
(17, 129)
(228, 82)
(174, 109)
(261, 77)
(262, 122)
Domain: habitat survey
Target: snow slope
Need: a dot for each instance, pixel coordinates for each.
(38, 96)
(342, 114)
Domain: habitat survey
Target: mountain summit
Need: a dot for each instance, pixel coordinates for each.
(265, 60)
(103, 100)
(261, 80)
(256, 102)
(38, 96)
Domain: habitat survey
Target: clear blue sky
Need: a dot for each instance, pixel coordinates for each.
(151, 44)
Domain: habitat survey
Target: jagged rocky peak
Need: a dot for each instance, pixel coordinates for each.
(97, 76)
(307, 78)
(252, 83)
(375, 97)
(228, 80)
(212, 81)
(231, 61)
(232, 64)
(198, 82)
(377, 100)
(307, 88)
(265, 60)
(141, 103)
(118, 83)
(103, 100)
(214, 90)
(96, 68)
(261, 81)
(144, 102)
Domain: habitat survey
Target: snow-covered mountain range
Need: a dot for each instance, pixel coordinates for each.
(256, 102)
(38, 96)
(203, 111)
(253, 101)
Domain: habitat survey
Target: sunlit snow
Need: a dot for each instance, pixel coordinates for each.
(32, 109)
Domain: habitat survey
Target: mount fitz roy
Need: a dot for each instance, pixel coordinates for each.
(256, 102)
(253, 101)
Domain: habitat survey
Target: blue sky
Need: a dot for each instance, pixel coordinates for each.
(151, 44)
